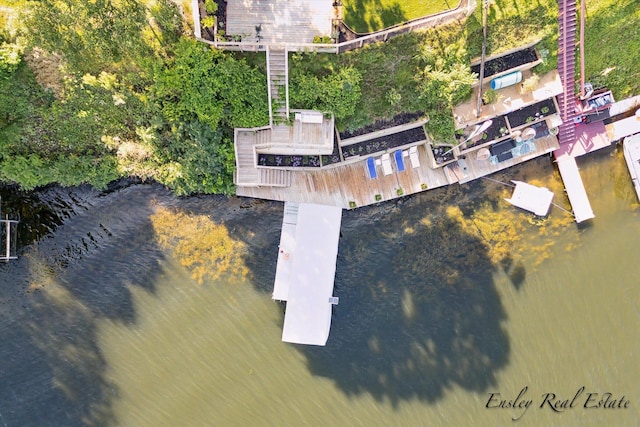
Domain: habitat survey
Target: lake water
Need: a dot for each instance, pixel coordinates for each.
(135, 308)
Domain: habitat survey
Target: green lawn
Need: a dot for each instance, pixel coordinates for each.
(612, 46)
(365, 16)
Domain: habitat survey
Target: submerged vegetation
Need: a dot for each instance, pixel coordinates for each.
(199, 244)
(94, 91)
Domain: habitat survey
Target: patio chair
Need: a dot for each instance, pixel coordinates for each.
(371, 166)
(399, 160)
(386, 164)
(413, 156)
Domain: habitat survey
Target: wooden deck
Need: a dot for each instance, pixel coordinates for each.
(280, 21)
(350, 182)
(345, 183)
(589, 137)
(479, 168)
(510, 99)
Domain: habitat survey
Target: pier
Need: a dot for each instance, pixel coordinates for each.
(306, 270)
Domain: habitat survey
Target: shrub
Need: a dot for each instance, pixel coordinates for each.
(490, 96)
(210, 6)
(530, 84)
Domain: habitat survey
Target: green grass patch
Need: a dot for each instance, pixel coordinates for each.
(365, 16)
(612, 46)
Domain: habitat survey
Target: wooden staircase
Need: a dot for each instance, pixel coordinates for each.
(278, 75)
(275, 177)
(566, 69)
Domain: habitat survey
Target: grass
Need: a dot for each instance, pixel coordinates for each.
(612, 46)
(393, 67)
(365, 16)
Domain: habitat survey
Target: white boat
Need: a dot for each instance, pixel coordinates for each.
(631, 149)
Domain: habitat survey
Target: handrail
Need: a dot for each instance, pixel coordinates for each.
(433, 20)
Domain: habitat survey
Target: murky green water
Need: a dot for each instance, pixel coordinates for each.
(115, 315)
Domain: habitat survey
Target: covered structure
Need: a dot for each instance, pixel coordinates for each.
(305, 271)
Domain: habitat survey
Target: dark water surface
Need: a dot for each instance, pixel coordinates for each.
(133, 307)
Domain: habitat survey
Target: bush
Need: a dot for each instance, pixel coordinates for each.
(337, 93)
(530, 84)
(490, 96)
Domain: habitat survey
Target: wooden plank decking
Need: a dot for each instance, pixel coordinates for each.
(280, 21)
(349, 182)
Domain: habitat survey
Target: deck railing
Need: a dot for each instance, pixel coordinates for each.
(464, 9)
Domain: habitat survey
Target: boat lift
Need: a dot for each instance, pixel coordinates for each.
(8, 237)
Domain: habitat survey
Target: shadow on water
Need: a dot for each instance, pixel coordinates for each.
(53, 297)
(419, 311)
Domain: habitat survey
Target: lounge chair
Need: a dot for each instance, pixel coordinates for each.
(399, 160)
(371, 166)
(386, 164)
(413, 156)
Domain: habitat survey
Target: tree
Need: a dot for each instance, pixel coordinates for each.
(92, 35)
(337, 93)
(207, 85)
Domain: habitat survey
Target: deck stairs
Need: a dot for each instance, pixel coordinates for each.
(246, 171)
(247, 174)
(278, 76)
(566, 69)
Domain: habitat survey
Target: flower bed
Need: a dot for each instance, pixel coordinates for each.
(442, 154)
(334, 157)
(498, 129)
(398, 120)
(383, 143)
(288, 161)
(507, 62)
(531, 113)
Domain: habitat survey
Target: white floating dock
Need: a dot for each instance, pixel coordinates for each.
(306, 271)
(531, 198)
(575, 189)
(631, 149)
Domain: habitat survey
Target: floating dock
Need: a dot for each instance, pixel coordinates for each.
(305, 271)
(575, 189)
(531, 198)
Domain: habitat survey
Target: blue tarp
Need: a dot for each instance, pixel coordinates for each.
(372, 168)
(399, 160)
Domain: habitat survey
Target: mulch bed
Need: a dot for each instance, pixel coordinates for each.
(492, 132)
(531, 113)
(290, 161)
(221, 15)
(383, 143)
(507, 62)
(398, 120)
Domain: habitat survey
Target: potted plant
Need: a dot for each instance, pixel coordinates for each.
(378, 197)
